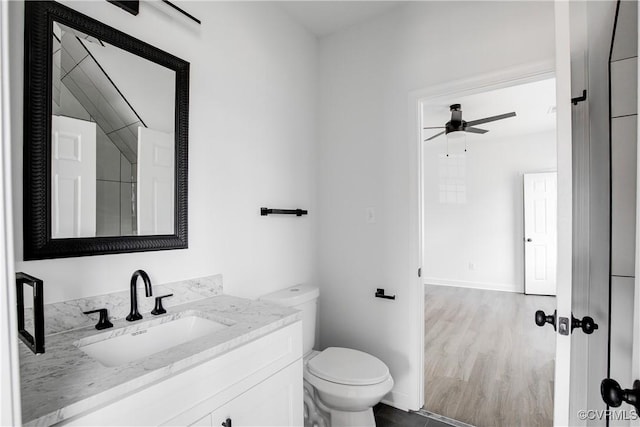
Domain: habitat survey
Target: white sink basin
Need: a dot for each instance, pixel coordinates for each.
(140, 341)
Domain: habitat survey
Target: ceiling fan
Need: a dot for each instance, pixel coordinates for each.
(456, 124)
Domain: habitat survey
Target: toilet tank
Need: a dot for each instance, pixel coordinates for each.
(305, 299)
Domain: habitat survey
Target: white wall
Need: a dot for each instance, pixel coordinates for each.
(487, 230)
(251, 144)
(366, 76)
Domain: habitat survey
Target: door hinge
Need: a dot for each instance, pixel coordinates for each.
(420, 272)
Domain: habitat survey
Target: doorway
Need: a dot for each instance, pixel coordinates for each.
(485, 361)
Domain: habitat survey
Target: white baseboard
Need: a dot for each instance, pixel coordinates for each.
(399, 400)
(504, 287)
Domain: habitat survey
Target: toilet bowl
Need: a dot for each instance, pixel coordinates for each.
(347, 384)
(341, 385)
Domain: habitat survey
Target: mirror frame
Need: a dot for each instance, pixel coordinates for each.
(38, 243)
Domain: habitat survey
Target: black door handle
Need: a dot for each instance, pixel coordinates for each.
(529, 239)
(613, 395)
(586, 324)
(542, 319)
(227, 423)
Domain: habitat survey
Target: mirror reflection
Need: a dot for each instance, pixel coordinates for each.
(113, 140)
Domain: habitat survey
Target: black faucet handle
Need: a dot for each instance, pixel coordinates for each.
(159, 309)
(103, 322)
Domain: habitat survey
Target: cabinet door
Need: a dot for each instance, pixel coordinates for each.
(277, 401)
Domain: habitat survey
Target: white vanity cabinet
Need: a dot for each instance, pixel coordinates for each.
(256, 384)
(273, 402)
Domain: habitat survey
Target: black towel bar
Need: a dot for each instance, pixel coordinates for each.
(296, 212)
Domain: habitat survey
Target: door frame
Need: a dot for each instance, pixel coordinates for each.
(491, 81)
(561, 69)
(635, 367)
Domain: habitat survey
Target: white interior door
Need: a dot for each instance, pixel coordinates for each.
(156, 178)
(540, 233)
(563, 399)
(581, 359)
(73, 168)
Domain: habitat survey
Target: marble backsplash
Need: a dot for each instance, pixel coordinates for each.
(67, 315)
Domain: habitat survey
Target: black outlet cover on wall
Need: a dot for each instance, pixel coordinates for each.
(131, 6)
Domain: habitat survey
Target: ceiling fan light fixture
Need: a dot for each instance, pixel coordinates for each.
(456, 136)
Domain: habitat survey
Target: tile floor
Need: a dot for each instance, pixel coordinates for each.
(387, 416)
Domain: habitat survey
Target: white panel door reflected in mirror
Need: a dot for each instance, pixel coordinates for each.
(73, 169)
(155, 181)
(118, 97)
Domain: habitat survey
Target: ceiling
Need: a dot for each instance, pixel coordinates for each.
(325, 17)
(534, 105)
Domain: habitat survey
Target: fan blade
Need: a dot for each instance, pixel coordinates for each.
(491, 119)
(434, 136)
(475, 130)
(434, 127)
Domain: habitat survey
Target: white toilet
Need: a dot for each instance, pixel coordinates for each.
(341, 384)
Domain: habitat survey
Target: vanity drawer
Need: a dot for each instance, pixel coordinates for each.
(275, 402)
(190, 395)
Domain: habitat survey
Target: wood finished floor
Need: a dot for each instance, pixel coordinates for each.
(486, 361)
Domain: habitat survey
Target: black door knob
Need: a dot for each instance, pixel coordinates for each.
(529, 240)
(227, 423)
(586, 324)
(613, 395)
(542, 319)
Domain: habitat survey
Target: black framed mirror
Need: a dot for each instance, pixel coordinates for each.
(105, 139)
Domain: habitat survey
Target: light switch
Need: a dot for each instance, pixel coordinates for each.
(370, 215)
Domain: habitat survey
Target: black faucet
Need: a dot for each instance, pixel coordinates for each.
(134, 315)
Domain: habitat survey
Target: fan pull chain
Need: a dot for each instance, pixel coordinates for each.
(447, 147)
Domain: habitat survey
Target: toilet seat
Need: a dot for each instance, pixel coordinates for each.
(348, 367)
(349, 397)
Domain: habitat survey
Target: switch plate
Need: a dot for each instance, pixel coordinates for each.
(370, 215)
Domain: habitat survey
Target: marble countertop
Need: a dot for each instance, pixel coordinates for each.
(64, 381)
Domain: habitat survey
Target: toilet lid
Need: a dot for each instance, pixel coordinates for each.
(348, 366)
